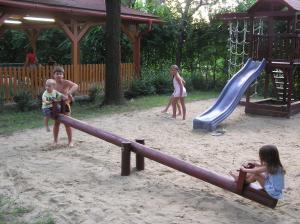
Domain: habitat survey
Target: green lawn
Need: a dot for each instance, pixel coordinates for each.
(12, 120)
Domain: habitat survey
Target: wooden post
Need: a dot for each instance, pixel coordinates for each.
(241, 182)
(140, 160)
(134, 36)
(251, 52)
(32, 35)
(137, 55)
(75, 34)
(2, 18)
(125, 162)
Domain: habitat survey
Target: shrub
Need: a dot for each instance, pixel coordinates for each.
(162, 84)
(94, 92)
(198, 82)
(24, 100)
(140, 87)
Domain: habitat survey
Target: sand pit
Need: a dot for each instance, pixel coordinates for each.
(83, 184)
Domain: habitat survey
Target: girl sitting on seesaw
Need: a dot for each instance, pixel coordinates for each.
(269, 173)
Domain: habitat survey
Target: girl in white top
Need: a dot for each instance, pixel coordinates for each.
(179, 91)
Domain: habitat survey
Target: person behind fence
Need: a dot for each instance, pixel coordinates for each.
(67, 88)
(179, 91)
(269, 173)
(49, 95)
(31, 59)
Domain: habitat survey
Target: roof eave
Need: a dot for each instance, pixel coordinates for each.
(55, 9)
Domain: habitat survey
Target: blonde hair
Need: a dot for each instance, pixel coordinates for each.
(175, 67)
(51, 82)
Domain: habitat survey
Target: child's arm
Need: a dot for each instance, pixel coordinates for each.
(256, 170)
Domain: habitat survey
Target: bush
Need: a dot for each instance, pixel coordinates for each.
(24, 100)
(94, 92)
(198, 82)
(140, 87)
(162, 84)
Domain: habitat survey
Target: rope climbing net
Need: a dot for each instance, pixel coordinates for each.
(236, 45)
(237, 42)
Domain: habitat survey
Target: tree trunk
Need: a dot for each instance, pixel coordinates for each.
(113, 85)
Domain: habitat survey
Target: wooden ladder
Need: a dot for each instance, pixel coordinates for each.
(281, 86)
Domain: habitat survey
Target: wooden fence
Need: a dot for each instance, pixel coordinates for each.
(13, 79)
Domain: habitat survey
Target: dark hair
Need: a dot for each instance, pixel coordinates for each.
(270, 155)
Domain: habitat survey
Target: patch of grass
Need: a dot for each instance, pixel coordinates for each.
(12, 213)
(12, 120)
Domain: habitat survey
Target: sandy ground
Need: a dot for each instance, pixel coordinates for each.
(83, 184)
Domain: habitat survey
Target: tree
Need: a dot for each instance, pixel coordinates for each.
(129, 3)
(186, 10)
(113, 86)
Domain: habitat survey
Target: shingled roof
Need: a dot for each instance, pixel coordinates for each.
(86, 7)
(265, 5)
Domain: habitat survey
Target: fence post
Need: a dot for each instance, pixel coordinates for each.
(125, 161)
(140, 160)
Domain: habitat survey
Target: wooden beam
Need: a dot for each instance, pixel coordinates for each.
(3, 17)
(84, 30)
(134, 35)
(32, 36)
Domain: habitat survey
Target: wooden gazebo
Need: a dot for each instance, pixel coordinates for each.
(280, 45)
(75, 18)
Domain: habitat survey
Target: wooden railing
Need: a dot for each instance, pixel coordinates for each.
(13, 79)
(281, 47)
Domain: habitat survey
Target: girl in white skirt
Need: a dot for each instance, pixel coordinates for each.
(179, 91)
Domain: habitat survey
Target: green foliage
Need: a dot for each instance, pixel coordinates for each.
(140, 87)
(24, 100)
(94, 92)
(54, 43)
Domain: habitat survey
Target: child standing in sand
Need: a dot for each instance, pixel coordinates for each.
(269, 173)
(48, 97)
(170, 103)
(179, 91)
(67, 88)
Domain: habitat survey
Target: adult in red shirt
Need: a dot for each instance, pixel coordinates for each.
(31, 60)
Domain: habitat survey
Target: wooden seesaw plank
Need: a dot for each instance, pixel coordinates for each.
(248, 191)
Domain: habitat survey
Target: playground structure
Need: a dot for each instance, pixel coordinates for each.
(277, 39)
(230, 96)
(280, 46)
(251, 191)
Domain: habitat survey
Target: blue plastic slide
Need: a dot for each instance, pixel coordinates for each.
(230, 96)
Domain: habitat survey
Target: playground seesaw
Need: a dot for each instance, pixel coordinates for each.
(251, 191)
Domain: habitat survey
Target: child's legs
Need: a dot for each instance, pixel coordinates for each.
(183, 107)
(47, 114)
(56, 130)
(178, 108)
(260, 178)
(174, 102)
(168, 105)
(69, 132)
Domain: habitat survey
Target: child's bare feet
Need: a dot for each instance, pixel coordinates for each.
(235, 177)
(48, 129)
(71, 144)
(164, 111)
